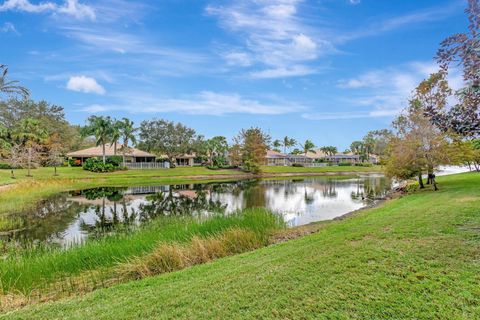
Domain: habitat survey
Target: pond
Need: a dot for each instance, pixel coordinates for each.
(72, 217)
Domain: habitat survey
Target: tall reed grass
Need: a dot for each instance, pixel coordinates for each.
(36, 269)
(174, 256)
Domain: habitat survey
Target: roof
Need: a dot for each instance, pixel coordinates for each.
(275, 154)
(318, 154)
(109, 151)
(272, 154)
(343, 156)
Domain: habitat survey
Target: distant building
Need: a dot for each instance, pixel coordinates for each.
(132, 156)
(275, 158)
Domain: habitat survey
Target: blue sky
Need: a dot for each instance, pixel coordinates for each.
(327, 70)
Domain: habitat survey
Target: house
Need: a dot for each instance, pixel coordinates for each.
(275, 158)
(132, 156)
(350, 158)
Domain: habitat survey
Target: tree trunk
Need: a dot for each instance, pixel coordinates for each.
(420, 181)
(115, 148)
(13, 174)
(55, 168)
(29, 162)
(103, 153)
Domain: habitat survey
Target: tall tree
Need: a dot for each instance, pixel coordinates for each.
(11, 87)
(276, 144)
(4, 141)
(166, 138)
(376, 141)
(418, 147)
(101, 129)
(253, 144)
(51, 117)
(116, 134)
(54, 152)
(308, 146)
(288, 143)
(460, 49)
(30, 134)
(329, 150)
(217, 148)
(356, 147)
(127, 135)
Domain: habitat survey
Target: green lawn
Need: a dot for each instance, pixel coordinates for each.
(413, 258)
(26, 191)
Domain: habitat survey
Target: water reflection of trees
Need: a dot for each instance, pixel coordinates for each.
(369, 189)
(172, 204)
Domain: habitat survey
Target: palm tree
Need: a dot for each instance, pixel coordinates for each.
(11, 87)
(116, 134)
(276, 145)
(329, 150)
(101, 129)
(288, 143)
(307, 147)
(127, 134)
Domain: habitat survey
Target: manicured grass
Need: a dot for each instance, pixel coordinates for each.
(37, 268)
(413, 258)
(26, 191)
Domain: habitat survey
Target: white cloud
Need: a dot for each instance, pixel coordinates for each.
(77, 10)
(384, 93)
(273, 34)
(85, 84)
(70, 7)
(283, 72)
(350, 115)
(238, 58)
(406, 20)
(8, 27)
(354, 2)
(203, 103)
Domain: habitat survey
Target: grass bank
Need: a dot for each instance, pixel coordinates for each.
(412, 258)
(22, 192)
(41, 271)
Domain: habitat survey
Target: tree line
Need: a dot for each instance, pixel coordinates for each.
(433, 131)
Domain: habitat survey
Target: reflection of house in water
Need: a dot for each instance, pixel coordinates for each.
(146, 190)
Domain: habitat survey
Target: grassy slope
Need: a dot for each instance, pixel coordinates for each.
(416, 257)
(27, 191)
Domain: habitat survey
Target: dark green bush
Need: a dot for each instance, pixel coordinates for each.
(115, 161)
(5, 166)
(297, 165)
(344, 164)
(363, 164)
(97, 165)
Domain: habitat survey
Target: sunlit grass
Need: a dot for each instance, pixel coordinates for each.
(37, 268)
(412, 258)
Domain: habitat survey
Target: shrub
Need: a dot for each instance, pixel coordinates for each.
(411, 187)
(297, 165)
(115, 161)
(5, 166)
(250, 166)
(74, 162)
(96, 165)
(363, 164)
(344, 164)
(221, 167)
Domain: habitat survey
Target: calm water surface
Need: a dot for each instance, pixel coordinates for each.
(72, 217)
